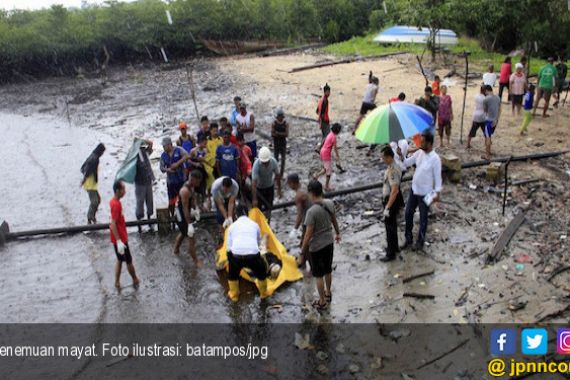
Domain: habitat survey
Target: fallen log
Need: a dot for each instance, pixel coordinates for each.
(342, 61)
(416, 276)
(211, 215)
(284, 51)
(444, 354)
(505, 238)
(558, 271)
(553, 315)
(419, 296)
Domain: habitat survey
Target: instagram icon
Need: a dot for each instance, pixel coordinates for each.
(563, 341)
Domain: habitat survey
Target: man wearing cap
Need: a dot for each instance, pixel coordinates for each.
(186, 142)
(171, 163)
(234, 113)
(227, 157)
(246, 125)
(264, 174)
(426, 180)
(546, 81)
(244, 238)
(280, 132)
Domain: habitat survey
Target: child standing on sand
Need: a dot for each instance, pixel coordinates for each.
(326, 154)
(528, 101)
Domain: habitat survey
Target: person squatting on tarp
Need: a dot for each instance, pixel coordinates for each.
(244, 239)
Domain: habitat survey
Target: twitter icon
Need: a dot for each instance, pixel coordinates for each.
(534, 341)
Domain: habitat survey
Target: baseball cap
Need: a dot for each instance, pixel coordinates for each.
(182, 125)
(166, 141)
(519, 66)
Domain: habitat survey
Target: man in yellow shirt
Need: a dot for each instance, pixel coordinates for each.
(90, 170)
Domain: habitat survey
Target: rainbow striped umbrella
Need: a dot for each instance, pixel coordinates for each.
(393, 122)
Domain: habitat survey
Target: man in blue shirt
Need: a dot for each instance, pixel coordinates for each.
(227, 157)
(171, 163)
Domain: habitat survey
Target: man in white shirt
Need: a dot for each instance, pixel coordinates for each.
(489, 78)
(427, 178)
(244, 237)
(245, 122)
(369, 99)
(478, 116)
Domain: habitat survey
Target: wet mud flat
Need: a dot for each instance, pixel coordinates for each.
(53, 125)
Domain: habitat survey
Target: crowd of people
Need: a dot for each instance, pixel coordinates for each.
(221, 169)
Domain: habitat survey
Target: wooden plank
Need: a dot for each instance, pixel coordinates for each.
(346, 60)
(505, 238)
(419, 296)
(416, 276)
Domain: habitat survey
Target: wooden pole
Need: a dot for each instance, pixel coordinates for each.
(192, 92)
(464, 95)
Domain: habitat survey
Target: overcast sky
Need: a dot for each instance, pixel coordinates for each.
(38, 4)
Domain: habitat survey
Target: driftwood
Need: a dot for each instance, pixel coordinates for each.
(274, 52)
(553, 315)
(416, 276)
(346, 60)
(419, 296)
(192, 90)
(505, 238)
(558, 271)
(444, 354)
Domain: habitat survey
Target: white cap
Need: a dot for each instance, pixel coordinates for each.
(519, 66)
(264, 154)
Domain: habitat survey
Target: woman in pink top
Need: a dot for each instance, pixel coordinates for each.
(517, 87)
(326, 155)
(505, 76)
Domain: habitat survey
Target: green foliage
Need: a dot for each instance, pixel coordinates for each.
(59, 40)
(376, 20)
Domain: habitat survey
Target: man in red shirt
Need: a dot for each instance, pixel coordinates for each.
(119, 236)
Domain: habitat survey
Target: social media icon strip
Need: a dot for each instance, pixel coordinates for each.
(504, 342)
(563, 341)
(534, 341)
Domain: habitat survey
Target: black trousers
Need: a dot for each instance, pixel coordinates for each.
(254, 262)
(266, 197)
(391, 224)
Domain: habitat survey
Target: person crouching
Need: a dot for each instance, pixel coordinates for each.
(244, 238)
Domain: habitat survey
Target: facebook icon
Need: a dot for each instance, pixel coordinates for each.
(503, 341)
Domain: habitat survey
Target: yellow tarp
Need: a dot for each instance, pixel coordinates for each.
(289, 271)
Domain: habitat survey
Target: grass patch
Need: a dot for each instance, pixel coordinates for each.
(479, 59)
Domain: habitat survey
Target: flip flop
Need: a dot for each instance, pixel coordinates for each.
(328, 297)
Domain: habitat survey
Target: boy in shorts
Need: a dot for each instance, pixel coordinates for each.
(119, 238)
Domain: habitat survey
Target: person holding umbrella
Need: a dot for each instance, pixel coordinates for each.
(426, 189)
